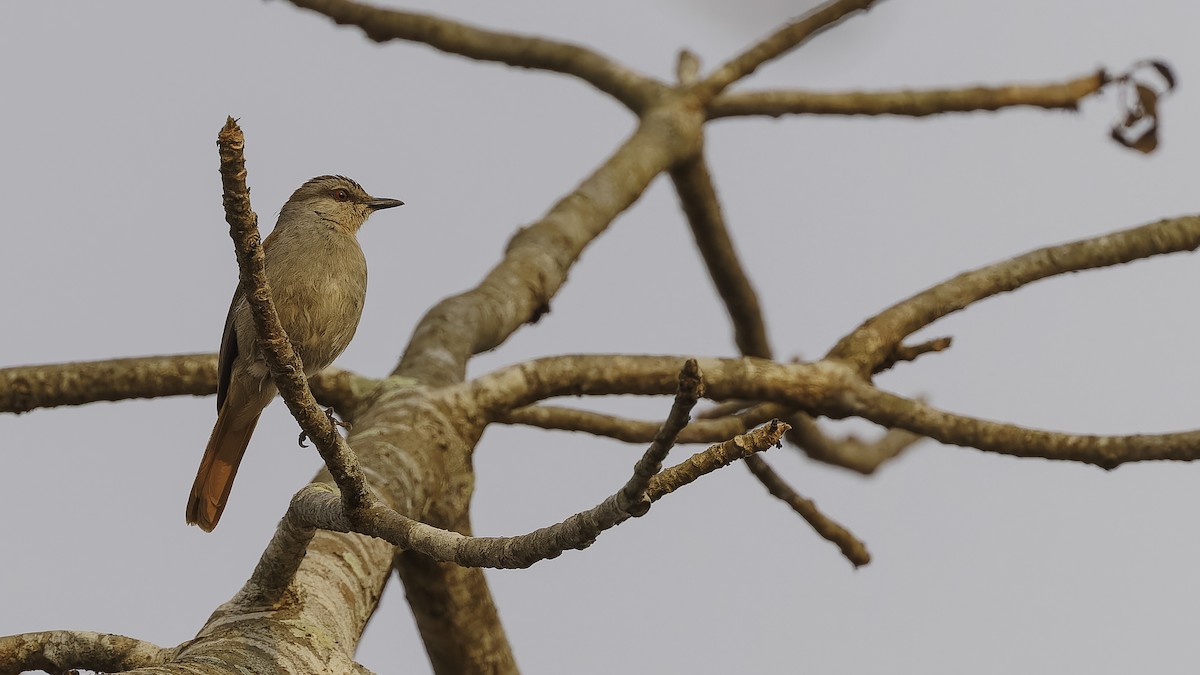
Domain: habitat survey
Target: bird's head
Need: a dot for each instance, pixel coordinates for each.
(338, 200)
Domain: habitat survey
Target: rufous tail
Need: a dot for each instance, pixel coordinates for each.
(214, 480)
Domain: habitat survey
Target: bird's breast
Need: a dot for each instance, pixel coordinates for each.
(319, 283)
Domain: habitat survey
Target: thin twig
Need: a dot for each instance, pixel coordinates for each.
(876, 339)
(851, 453)
(632, 497)
(909, 102)
(712, 430)
(865, 400)
(319, 504)
(850, 546)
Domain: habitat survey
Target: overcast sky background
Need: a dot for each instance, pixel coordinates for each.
(115, 245)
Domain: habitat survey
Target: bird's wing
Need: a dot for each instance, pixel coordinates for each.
(229, 350)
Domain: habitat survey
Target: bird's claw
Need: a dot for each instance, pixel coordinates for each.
(332, 420)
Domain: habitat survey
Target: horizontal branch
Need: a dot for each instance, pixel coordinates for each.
(633, 89)
(319, 504)
(61, 651)
(865, 400)
(873, 343)
(798, 386)
(829, 388)
(639, 431)
(26, 388)
(911, 102)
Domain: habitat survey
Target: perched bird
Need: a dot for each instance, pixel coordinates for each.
(318, 280)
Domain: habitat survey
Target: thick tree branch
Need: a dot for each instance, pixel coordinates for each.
(909, 102)
(777, 44)
(872, 343)
(519, 289)
(61, 651)
(25, 388)
(633, 89)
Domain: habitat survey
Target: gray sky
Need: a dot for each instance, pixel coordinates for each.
(115, 245)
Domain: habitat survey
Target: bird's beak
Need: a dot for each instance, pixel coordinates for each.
(378, 203)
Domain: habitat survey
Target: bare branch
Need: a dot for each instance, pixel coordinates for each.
(903, 352)
(319, 504)
(698, 198)
(640, 431)
(851, 453)
(60, 651)
(633, 89)
(26, 388)
(909, 102)
(871, 344)
(850, 546)
(777, 44)
(1107, 452)
(279, 561)
(798, 386)
(631, 498)
(519, 289)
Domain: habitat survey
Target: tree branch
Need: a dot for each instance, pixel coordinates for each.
(863, 457)
(639, 431)
(872, 343)
(777, 44)
(319, 504)
(1108, 452)
(25, 388)
(698, 198)
(631, 498)
(831, 531)
(60, 651)
(519, 289)
(908, 102)
(634, 90)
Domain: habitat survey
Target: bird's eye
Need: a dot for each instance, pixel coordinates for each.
(341, 195)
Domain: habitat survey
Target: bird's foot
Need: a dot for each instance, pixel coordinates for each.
(332, 420)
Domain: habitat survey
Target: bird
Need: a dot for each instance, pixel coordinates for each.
(318, 278)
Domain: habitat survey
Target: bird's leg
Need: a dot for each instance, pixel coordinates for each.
(332, 420)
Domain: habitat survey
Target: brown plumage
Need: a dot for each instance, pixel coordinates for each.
(318, 280)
